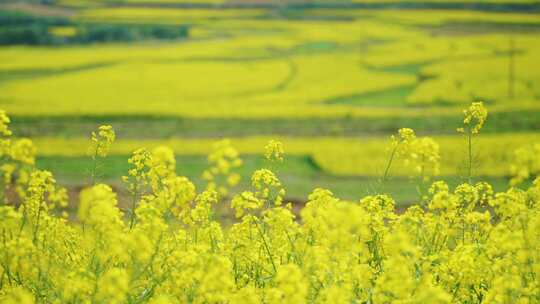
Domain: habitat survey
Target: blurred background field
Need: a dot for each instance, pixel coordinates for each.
(331, 79)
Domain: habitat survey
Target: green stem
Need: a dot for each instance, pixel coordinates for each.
(470, 155)
(133, 203)
(421, 182)
(392, 155)
(266, 247)
(94, 166)
(36, 228)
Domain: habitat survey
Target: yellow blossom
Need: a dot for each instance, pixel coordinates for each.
(274, 151)
(102, 140)
(475, 117)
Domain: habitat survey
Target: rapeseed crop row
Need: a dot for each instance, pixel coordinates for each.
(462, 245)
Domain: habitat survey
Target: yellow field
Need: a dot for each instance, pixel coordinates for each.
(334, 155)
(201, 88)
(277, 64)
(431, 17)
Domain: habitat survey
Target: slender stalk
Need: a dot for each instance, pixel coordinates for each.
(3, 197)
(463, 232)
(387, 169)
(36, 229)
(421, 182)
(266, 247)
(132, 212)
(3, 186)
(94, 166)
(469, 135)
(3, 190)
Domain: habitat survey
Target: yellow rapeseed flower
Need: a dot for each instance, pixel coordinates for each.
(102, 140)
(475, 117)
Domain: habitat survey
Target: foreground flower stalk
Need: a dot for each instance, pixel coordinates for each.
(475, 117)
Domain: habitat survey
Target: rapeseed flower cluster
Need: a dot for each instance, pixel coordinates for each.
(223, 161)
(463, 244)
(420, 153)
(102, 140)
(475, 117)
(274, 151)
(526, 164)
(4, 124)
